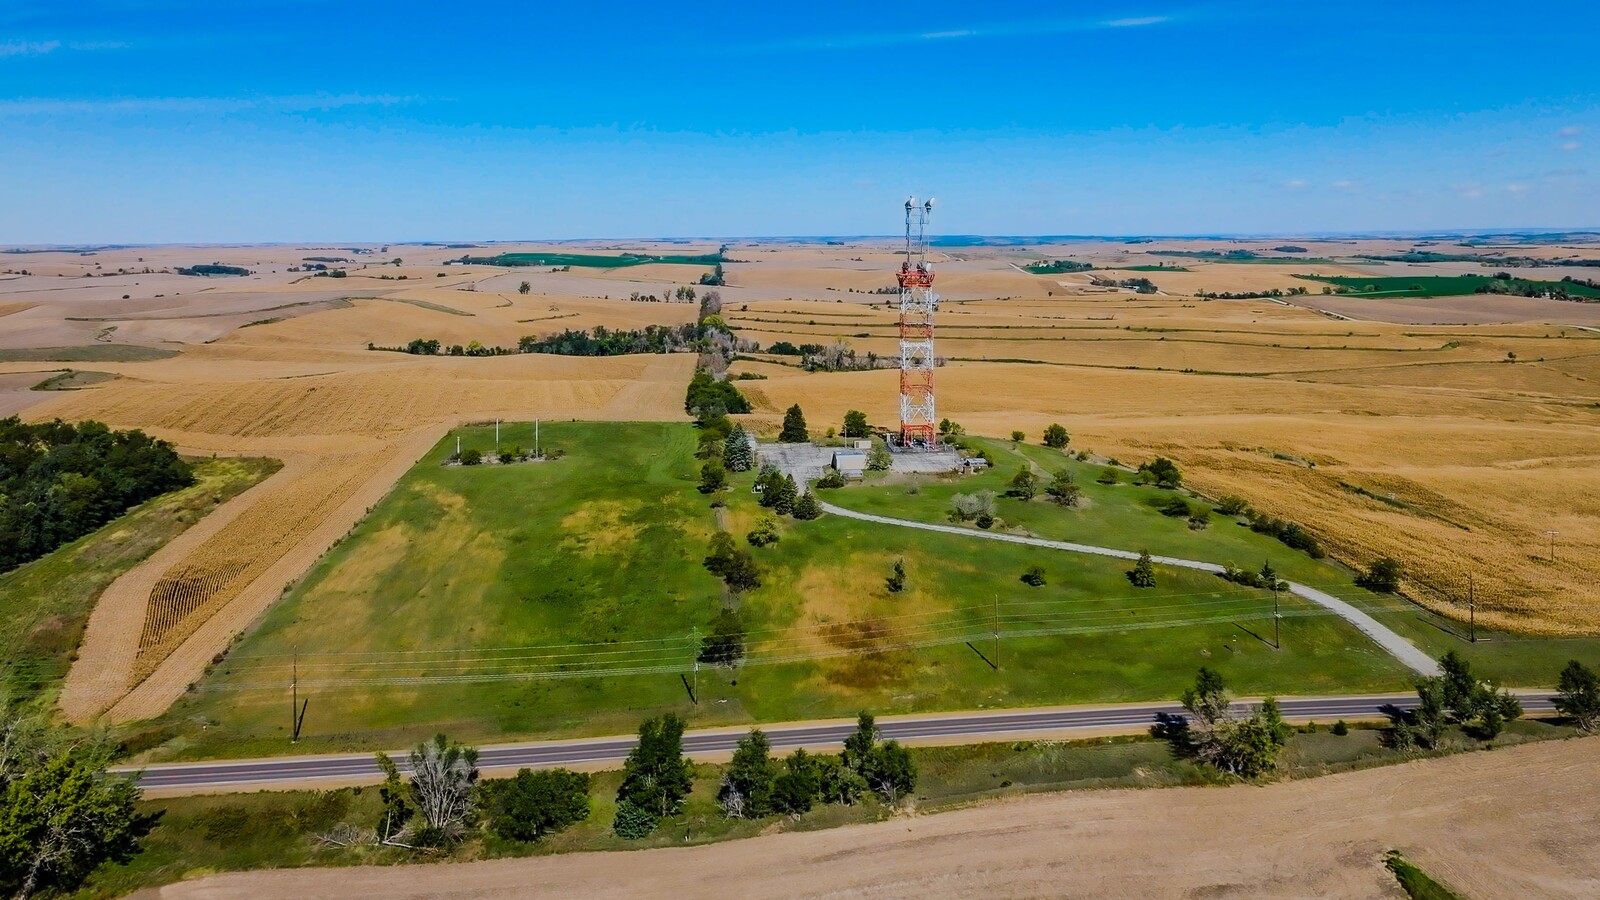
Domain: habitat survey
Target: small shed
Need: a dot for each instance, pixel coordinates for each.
(850, 463)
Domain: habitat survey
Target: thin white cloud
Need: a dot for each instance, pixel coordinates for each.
(47, 106)
(1345, 184)
(27, 48)
(1516, 189)
(1295, 184)
(1469, 191)
(1571, 131)
(999, 30)
(1570, 146)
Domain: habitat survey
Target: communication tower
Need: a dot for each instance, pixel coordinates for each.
(918, 303)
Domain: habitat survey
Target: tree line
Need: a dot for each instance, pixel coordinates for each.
(60, 481)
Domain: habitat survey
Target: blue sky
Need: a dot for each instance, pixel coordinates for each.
(288, 120)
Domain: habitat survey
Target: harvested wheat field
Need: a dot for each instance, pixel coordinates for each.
(1323, 837)
(1453, 448)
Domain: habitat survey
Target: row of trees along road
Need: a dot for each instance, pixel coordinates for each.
(1247, 744)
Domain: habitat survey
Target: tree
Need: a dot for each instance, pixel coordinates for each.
(741, 573)
(713, 477)
(879, 459)
(1175, 506)
(1162, 472)
(534, 804)
(1018, 437)
(896, 582)
(784, 495)
(1034, 577)
(1143, 573)
(794, 427)
(1024, 484)
(1579, 695)
(736, 453)
(1109, 475)
(524, 288)
(443, 773)
(1063, 489)
(1055, 436)
(965, 507)
(746, 791)
(807, 507)
(891, 771)
(1383, 576)
(1208, 700)
(62, 813)
(471, 457)
(858, 746)
(797, 786)
(397, 808)
(855, 424)
(656, 776)
(724, 646)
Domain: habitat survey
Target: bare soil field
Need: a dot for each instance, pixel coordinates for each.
(1527, 827)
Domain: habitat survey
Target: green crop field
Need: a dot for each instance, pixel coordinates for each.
(590, 260)
(561, 598)
(1438, 285)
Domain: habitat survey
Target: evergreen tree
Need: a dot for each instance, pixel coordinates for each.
(896, 582)
(879, 459)
(1063, 489)
(794, 427)
(1025, 484)
(1143, 573)
(736, 453)
(807, 507)
(785, 493)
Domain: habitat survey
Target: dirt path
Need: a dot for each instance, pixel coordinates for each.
(188, 662)
(104, 667)
(1512, 823)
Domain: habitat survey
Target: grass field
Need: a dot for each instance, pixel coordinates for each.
(1437, 285)
(561, 598)
(48, 600)
(1123, 516)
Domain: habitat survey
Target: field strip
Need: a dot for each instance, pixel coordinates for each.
(172, 676)
(104, 666)
(1397, 646)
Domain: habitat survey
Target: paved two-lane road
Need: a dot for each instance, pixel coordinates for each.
(974, 727)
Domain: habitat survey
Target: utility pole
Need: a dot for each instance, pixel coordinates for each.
(694, 648)
(1472, 610)
(497, 437)
(1276, 618)
(458, 446)
(997, 630)
(1552, 536)
(536, 453)
(294, 698)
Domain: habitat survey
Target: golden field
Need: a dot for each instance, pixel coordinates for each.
(1424, 441)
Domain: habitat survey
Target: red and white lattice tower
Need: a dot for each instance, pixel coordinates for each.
(918, 303)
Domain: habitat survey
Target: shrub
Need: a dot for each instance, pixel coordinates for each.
(1109, 475)
(829, 481)
(1383, 576)
(1175, 506)
(534, 804)
(1232, 505)
(1034, 577)
(1018, 437)
(1056, 437)
(966, 507)
(765, 532)
(896, 582)
(984, 521)
(1340, 728)
(470, 457)
(1063, 489)
(1161, 472)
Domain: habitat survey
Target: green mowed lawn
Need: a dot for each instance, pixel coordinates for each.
(465, 582)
